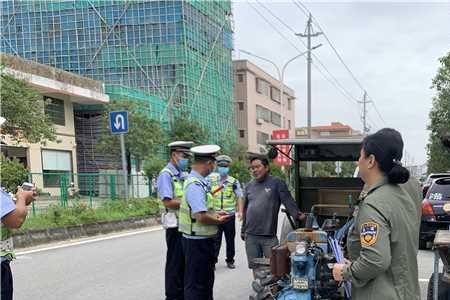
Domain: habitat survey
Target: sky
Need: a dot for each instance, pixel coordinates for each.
(391, 48)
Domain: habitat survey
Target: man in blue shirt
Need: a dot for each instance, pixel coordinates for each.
(198, 223)
(170, 192)
(13, 215)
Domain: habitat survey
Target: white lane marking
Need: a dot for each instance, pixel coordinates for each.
(423, 280)
(90, 241)
(24, 257)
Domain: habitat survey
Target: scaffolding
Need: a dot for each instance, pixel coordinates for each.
(89, 127)
(176, 50)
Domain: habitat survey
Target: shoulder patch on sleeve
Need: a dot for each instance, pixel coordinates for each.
(369, 233)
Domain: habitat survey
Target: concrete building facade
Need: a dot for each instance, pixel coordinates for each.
(62, 91)
(258, 107)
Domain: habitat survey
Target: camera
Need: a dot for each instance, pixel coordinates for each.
(26, 186)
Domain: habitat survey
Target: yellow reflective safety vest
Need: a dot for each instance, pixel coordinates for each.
(225, 200)
(7, 247)
(187, 223)
(177, 185)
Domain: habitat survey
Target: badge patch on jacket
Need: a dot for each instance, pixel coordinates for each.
(369, 233)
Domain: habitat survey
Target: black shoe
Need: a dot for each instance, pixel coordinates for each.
(231, 265)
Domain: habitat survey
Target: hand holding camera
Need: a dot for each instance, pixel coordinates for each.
(26, 192)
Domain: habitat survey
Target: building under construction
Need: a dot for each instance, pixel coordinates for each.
(178, 51)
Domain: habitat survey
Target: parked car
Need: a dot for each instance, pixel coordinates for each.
(430, 179)
(435, 210)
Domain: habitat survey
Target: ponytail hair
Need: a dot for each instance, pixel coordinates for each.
(387, 147)
(398, 174)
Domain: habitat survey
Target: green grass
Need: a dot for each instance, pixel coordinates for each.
(80, 213)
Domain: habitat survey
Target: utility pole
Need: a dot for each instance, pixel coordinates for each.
(364, 113)
(308, 34)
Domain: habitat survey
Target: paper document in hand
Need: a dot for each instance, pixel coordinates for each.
(337, 252)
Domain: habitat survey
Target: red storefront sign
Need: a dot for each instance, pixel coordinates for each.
(282, 160)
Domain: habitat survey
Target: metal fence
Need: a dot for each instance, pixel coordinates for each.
(93, 189)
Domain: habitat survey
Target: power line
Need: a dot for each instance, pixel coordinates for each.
(332, 46)
(337, 88)
(336, 82)
(333, 81)
(376, 109)
(273, 27)
(276, 17)
(305, 11)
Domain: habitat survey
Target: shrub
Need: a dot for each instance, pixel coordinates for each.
(13, 173)
(81, 213)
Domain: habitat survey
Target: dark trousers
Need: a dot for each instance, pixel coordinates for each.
(199, 269)
(174, 276)
(7, 281)
(229, 229)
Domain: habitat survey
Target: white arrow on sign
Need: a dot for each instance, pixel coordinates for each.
(119, 122)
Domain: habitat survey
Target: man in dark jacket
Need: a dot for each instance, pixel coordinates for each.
(263, 197)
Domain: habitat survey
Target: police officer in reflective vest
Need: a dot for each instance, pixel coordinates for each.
(228, 199)
(13, 215)
(198, 223)
(170, 191)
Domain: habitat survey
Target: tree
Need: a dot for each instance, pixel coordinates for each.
(348, 168)
(153, 165)
(13, 173)
(239, 169)
(438, 156)
(232, 148)
(23, 109)
(276, 170)
(328, 168)
(184, 129)
(144, 137)
(238, 153)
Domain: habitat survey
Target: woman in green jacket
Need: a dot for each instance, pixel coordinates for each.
(383, 242)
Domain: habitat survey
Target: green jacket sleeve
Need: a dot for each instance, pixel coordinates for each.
(375, 254)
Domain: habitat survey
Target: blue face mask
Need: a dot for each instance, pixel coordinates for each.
(182, 164)
(223, 170)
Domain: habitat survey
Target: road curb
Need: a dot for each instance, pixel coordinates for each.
(37, 237)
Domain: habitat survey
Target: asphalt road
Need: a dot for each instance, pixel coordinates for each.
(125, 266)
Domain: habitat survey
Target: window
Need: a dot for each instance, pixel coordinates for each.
(275, 94)
(262, 86)
(289, 124)
(241, 105)
(440, 190)
(240, 77)
(275, 118)
(261, 138)
(242, 133)
(55, 165)
(54, 108)
(289, 103)
(325, 133)
(263, 113)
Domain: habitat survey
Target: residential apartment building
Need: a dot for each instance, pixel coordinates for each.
(258, 106)
(332, 131)
(62, 91)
